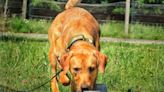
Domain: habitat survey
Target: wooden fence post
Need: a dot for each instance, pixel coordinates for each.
(5, 15)
(127, 13)
(24, 9)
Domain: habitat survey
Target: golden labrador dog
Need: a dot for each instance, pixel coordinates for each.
(74, 46)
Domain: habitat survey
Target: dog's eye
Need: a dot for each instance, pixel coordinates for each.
(91, 69)
(76, 69)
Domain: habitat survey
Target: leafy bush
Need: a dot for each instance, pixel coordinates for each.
(150, 1)
(119, 10)
(111, 1)
(17, 24)
(46, 3)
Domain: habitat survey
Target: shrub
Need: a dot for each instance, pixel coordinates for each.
(17, 24)
(46, 3)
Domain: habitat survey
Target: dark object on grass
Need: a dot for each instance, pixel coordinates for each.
(99, 88)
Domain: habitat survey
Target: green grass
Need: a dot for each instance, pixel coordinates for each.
(136, 31)
(111, 29)
(134, 68)
(131, 67)
(23, 64)
(28, 26)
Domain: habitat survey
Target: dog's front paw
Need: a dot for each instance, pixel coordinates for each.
(63, 78)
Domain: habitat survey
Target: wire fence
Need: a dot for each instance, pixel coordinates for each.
(148, 13)
(145, 13)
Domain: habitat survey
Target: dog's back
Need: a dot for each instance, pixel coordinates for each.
(74, 20)
(76, 16)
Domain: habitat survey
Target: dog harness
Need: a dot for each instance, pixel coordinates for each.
(78, 38)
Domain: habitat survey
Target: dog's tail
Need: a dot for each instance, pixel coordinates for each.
(71, 3)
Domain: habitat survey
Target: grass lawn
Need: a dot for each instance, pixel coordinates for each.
(111, 29)
(136, 31)
(132, 68)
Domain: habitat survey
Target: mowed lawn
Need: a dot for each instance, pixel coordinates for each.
(131, 67)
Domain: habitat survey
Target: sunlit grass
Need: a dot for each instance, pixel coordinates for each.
(134, 67)
(24, 64)
(110, 29)
(136, 31)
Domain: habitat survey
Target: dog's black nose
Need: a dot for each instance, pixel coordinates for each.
(84, 87)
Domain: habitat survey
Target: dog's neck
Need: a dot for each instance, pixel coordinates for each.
(81, 39)
(82, 45)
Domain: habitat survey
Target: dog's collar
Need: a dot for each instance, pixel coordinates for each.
(77, 38)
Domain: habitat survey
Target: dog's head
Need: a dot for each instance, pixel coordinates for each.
(84, 67)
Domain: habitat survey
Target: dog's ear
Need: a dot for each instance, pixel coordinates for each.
(102, 60)
(64, 61)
